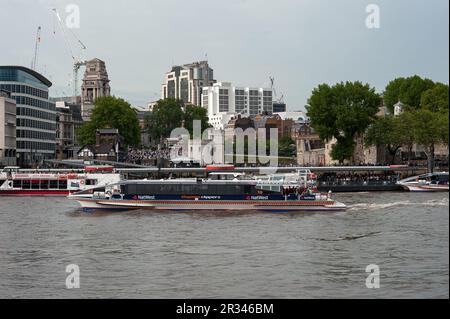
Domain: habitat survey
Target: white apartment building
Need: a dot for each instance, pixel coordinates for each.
(224, 102)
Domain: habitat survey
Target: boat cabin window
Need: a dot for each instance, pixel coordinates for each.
(187, 189)
(44, 184)
(63, 184)
(10, 169)
(91, 191)
(91, 182)
(223, 177)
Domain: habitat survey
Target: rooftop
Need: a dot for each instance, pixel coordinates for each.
(31, 72)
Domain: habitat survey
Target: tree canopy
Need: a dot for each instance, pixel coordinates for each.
(436, 98)
(385, 132)
(111, 112)
(192, 113)
(171, 113)
(430, 128)
(407, 90)
(166, 116)
(342, 111)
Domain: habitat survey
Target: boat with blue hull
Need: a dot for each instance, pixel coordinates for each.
(228, 191)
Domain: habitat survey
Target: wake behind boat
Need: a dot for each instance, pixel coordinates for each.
(221, 192)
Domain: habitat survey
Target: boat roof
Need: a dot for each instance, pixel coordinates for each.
(182, 181)
(434, 174)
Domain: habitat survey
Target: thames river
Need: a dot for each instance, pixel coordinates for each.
(228, 255)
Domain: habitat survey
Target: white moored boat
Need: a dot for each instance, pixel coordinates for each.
(13, 182)
(432, 182)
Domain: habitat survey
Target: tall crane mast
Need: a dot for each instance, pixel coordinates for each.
(77, 61)
(36, 49)
(272, 86)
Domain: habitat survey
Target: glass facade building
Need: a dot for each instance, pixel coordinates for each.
(36, 114)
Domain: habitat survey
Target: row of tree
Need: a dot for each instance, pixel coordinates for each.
(172, 113)
(111, 112)
(346, 111)
(168, 114)
(342, 112)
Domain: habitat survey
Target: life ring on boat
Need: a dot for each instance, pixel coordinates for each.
(82, 182)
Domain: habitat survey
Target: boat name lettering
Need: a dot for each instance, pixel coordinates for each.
(146, 197)
(210, 197)
(257, 197)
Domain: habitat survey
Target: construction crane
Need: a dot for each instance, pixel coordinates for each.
(272, 86)
(36, 49)
(78, 62)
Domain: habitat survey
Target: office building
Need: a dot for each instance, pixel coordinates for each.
(35, 114)
(224, 101)
(68, 121)
(279, 107)
(7, 129)
(186, 82)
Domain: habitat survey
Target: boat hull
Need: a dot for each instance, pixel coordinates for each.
(426, 188)
(268, 206)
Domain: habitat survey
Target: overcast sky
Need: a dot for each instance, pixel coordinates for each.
(302, 43)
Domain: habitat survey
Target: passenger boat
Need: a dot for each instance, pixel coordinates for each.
(15, 183)
(225, 191)
(432, 182)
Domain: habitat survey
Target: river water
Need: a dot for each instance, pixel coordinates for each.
(228, 255)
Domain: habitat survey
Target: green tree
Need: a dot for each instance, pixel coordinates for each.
(286, 146)
(406, 122)
(436, 98)
(111, 112)
(343, 112)
(430, 128)
(343, 149)
(192, 113)
(444, 128)
(385, 132)
(166, 116)
(407, 90)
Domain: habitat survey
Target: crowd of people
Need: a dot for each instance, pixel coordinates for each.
(146, 156)
(359, 178)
